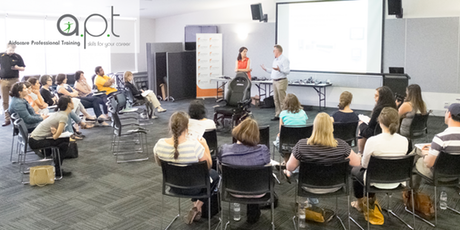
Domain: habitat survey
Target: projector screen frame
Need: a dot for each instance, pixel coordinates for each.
(335, 72)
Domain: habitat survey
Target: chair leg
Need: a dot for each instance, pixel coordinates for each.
(175, 218)
(435, 207)
(336, 211)
(273, 211)
(368, 222)
(394, 214)
(209, 212)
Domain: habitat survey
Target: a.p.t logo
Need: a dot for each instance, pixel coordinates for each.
(68, 25)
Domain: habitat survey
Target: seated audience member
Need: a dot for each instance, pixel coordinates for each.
(86, 102)
(246, 152)
(321, 147)
(39, 105)
(45, 91)
(138, 94)
(447, 141)
(183, 150)
(53, 127)
(103, 82)
(292, 115)
(197, 113)
(22, 108)
(413, 104)
(84, 90)
(383, 98)
(388, 143)
(345, 114)
(51, 99)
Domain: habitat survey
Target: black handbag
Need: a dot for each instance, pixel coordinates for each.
(72, 151)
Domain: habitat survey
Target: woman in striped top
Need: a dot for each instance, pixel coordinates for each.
(180, 149)
(321, 147)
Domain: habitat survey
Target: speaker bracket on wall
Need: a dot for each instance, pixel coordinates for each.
(264, 18)
(400, 15)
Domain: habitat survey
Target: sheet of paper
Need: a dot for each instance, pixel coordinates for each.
(195, 129)
(145, 93)
(364, 118)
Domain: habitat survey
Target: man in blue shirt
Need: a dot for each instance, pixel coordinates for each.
(278, 73)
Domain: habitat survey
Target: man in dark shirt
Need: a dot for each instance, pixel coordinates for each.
(10, 65)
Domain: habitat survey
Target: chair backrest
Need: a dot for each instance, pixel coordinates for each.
(114, 109)
(346, 131)
(239, 89)
(290, 135)
(121, 99)
(419, 125)
(211, 139)
(316, 175)
(389, 169)
(23, 135)
(246, 180)
(264, 135)
(93, 78)
(188, 176)
(446, 166)
(14, 117)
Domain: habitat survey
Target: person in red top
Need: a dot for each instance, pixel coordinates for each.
(243, 64)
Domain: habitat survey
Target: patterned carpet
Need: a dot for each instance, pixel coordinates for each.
(102, 194)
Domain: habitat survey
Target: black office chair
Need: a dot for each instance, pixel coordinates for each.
(445, 167)
(211, 138)
(238, 100)
(248, 181)
(418, 127)
(180, 177)
(333, 176)
(264, 136)
(139, 102)
(289, 136)
(346, 131)
(389, 170)
(24, 150)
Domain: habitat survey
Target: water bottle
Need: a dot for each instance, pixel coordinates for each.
(236, 212)
(443, 200)
(301, 215)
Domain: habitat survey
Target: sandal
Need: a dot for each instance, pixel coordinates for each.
(198, 216)
(161, 110)
(75, 137)
(86, 126)
(358, 205)
(191, 215)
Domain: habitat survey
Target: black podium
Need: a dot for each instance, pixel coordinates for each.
(396, 82)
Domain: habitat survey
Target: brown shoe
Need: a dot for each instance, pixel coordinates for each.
(6, 123)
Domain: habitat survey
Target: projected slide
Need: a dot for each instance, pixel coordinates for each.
(335, 36)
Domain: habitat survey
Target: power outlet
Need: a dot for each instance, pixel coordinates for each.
(446, 105)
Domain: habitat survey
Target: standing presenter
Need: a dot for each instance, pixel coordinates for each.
(10, 65)
(278, 73)
(243, 64)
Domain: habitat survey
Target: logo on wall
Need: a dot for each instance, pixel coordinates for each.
(68, 25)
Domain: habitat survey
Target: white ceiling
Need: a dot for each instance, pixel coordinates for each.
(144, 8)
(165, 8)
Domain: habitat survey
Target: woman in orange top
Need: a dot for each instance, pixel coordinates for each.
(243, 64)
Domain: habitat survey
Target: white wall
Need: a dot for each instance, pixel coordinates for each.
(146, 35)
(171, 29)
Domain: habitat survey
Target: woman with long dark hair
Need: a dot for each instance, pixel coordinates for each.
(413, 104)
(384, 97)
(48, 133)
(243, 64)
(181, 149)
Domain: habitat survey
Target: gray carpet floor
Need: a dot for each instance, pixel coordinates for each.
(102, 194)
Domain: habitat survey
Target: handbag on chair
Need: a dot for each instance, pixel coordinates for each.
(41, 175)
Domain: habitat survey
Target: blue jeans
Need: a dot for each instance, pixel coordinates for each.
(72, 116)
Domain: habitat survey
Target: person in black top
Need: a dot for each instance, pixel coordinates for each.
(141, 94)
(46, 81)
(10, 65)
(383, 98)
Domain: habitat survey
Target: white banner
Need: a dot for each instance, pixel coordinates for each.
(208, 63)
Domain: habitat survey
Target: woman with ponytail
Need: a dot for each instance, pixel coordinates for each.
(388, 143)
(345, 114)
(179, 148)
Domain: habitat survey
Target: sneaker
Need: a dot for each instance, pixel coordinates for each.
(161, 110)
